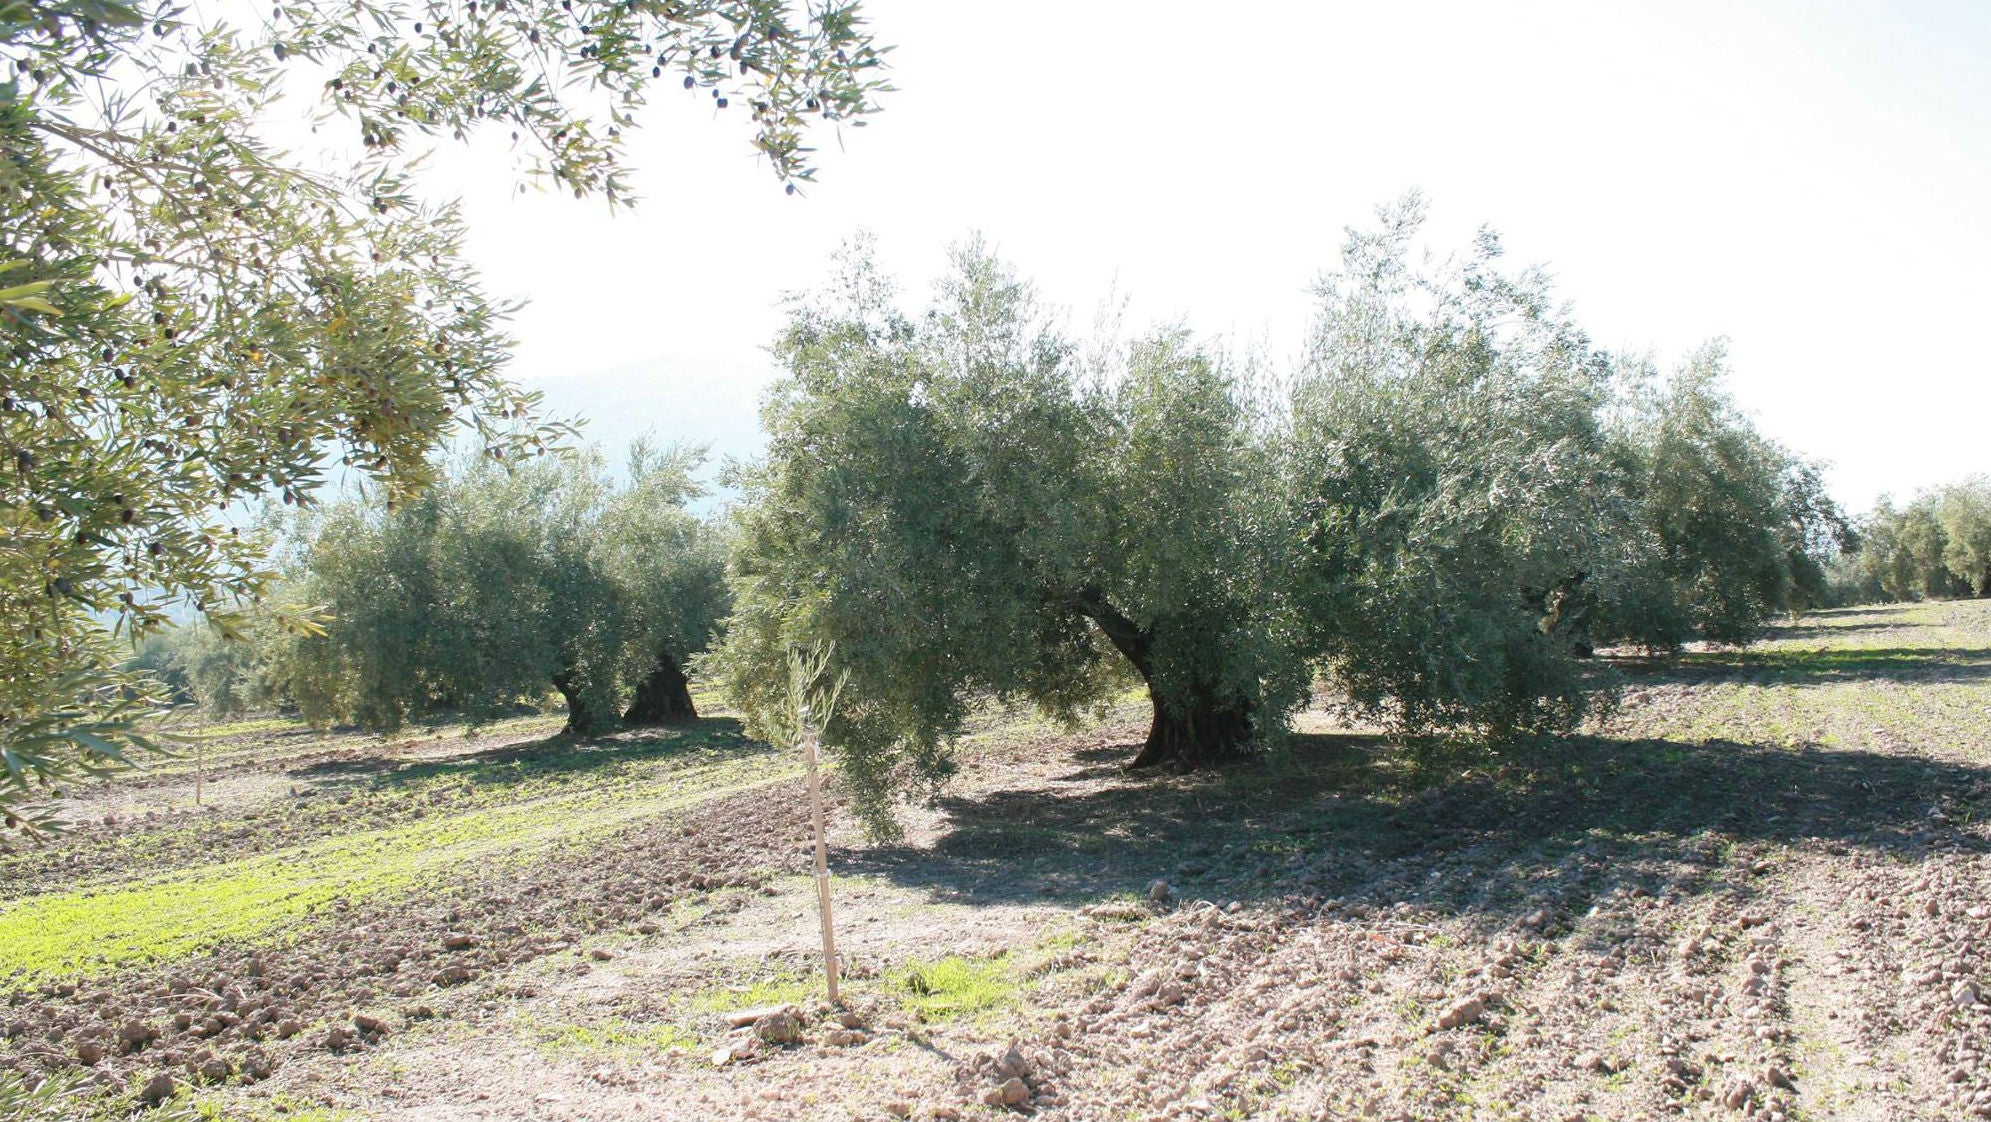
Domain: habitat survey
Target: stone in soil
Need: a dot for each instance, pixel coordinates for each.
(1013, 1065)
(745, 1018)
(136, 1034)
(846, 1038)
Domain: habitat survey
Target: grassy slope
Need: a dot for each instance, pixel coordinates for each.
(158, 917)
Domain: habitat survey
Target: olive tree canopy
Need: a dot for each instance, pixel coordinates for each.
(1939, 545)
(1454, 498)
(1449, 488)
(967, 505)
(1734, 525)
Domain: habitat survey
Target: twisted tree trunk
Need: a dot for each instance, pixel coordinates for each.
(582, 720)
(1565, 611)
(1190, 729)
(664, 698)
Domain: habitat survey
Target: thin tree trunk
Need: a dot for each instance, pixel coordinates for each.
(1186, 733)
(664, 698)
(830, 972)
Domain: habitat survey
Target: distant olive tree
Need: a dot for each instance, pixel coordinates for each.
(669, 570)
(1734, 529)
(195, 664)
(1936, 547)
(1964, 512)
(499, 583)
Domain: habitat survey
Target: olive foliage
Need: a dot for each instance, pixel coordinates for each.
(965, 504)
(191, 317)
(1451, 489)
(1735, 528)
(198, 665)
(1452, 501)
(1936, 547)
(498, 584)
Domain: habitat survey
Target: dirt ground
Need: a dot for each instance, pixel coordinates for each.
(1759, 890)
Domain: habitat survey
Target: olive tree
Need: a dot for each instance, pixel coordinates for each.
(669, 568)
(1937, 546)
(1737, 525)
(1964, 510)
(495, 585)
(1450, 488)
(1902, 550)
(965, 505)
(198, 665)
(190, 317)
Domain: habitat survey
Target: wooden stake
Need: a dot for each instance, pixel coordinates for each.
(822, 858)
(200, 756)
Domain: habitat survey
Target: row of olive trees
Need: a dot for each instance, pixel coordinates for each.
(1938, 546)
(493, 588)
(1448, 504)
(1451, 501)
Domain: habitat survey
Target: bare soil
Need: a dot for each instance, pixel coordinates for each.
(1759, 891)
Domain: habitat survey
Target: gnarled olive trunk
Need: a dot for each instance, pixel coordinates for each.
(582, 719)
(1565, 611)
(663, 698)
(1191, 729)
(1197, 735)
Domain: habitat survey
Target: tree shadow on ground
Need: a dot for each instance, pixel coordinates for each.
(1917, 665)
(547, 757)
(1500, 836)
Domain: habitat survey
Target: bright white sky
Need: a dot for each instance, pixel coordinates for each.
(1807, 177)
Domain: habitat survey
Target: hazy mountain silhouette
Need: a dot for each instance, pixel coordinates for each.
(694, 401)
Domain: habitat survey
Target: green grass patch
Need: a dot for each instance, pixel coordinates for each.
(242, 727)
(619, 1037)
(953, 986)
(780, 989)
(1060, 939)
(79, 931)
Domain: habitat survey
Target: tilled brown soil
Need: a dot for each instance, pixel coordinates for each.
(1763, 892)
(1613, 931)
(1752, 981)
